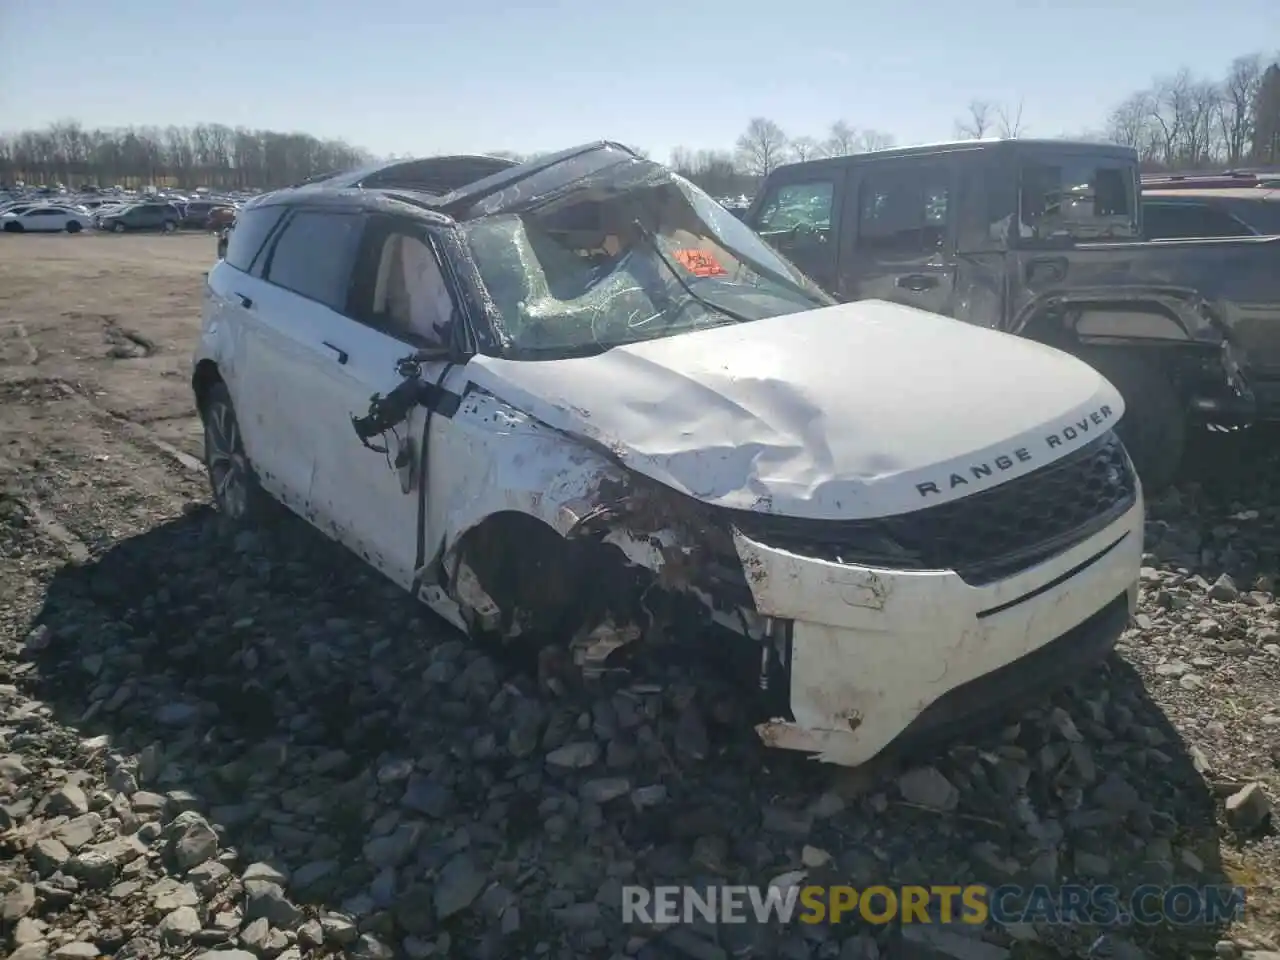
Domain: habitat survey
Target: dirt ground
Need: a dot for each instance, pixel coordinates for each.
(99, 449)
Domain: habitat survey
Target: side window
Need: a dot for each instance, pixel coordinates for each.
(250, 233)
(904, 211)
(312, 256)
(797, 205)
(399, 285)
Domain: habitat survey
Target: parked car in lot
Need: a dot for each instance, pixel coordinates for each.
(1044, 238)
(141, 216)
(44, 219)
(204, 215)
(1187, 214)
(605, 410)
(221, 217)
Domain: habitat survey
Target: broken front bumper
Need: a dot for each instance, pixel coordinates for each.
(877, 656)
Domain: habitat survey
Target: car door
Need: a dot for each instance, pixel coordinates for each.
(400, 300)
(251, 340)
(899, 244)
(43, 219)
(798, 216)
(292, 287)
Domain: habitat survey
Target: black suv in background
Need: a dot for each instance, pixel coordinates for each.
(1044, 239)
(142, 216)
(1233, 212)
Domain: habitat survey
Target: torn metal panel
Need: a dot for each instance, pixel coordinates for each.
(497, 458)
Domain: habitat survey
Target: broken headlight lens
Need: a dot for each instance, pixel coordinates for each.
(864, 544)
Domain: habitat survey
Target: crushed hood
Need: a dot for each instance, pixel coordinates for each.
(859, 410)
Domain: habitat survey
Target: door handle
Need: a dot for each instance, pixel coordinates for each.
(246, 302)
(918, 282)
(341, 354)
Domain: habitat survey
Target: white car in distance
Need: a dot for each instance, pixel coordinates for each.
(607, 414)
(45, 218)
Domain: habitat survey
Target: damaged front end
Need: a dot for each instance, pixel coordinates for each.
(641, 572)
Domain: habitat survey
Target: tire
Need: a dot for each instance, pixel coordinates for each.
(117, 228)
(13, 228)
(73, 226)
(169, 226)
(232, 480)
(1154, 425)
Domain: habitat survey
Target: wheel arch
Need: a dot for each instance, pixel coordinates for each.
(203, 379)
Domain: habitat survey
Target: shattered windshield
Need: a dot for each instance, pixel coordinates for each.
(625, 259)
(1077, 198)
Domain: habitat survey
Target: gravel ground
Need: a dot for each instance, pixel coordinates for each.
(250, 744)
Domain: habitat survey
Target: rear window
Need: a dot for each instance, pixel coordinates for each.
(1076, 198)
(1171, 220)
(252, 229)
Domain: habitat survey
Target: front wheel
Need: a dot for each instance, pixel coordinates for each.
(13, 228)
(169, 226)
(117, 228)
(1154, 425)
(232, 480)
(73, 226)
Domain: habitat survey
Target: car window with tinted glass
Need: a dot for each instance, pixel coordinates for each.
(313, 256)
(904, 211)
(1173, 221)
(250, 233)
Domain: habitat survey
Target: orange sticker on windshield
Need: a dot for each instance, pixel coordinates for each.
(700, 263)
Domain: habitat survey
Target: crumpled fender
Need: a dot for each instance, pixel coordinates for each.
(496, 458)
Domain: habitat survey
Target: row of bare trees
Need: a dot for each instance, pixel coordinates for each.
(209, 155)
(1181, 120)
(1187, 121)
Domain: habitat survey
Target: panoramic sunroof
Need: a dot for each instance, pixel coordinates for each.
(436, 175)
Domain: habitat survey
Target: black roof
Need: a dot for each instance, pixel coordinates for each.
(447, 185)
(969, 146)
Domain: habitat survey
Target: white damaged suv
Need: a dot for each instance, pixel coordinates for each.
(604, 413)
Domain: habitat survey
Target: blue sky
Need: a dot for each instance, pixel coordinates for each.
(406, 77)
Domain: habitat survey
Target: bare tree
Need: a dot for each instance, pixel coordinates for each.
(1170, 110)
(1204, 100)
(1009, 122)
(1235, 108)
(804, 148)
(1266, 117)
(1129, 124)
(869, 140)
(762, 147)
(841, 141)
(844, 140)
(979, 122)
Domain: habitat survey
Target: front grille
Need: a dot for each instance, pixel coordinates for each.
(983, 538)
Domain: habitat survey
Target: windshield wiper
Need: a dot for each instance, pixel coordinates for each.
(675, 272)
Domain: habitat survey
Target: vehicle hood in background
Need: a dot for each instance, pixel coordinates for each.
(858, 410)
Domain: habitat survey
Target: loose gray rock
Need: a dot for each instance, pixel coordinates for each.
(179, 926)
(928, 787)
(192, 840)
(458, 885)
(1248, 808)
(574, 756)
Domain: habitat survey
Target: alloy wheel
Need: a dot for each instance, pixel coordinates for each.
(228, 466)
